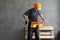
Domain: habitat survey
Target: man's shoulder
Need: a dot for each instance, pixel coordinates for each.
(31, 9)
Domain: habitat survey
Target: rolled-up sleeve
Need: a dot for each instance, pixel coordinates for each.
(39, 12)
(27, 12)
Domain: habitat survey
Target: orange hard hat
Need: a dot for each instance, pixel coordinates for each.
(37, 5)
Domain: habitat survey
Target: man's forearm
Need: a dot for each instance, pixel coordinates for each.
(41, 16)
(25, 17)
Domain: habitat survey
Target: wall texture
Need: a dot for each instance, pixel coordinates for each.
(12, 22)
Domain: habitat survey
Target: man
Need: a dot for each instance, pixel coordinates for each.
(30, 16)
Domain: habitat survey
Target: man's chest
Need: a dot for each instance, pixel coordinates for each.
(34, 13)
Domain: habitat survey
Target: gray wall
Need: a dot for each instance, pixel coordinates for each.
(12, 22)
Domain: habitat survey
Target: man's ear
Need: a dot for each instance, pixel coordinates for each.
(39, 8)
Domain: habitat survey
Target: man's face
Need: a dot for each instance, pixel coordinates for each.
(36, 8)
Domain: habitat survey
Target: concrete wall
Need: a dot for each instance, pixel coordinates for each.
(12, 22)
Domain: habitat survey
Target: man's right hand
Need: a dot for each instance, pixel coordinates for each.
(26, 22)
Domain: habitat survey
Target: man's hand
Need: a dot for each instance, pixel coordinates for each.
(44, 20)
(26, 22)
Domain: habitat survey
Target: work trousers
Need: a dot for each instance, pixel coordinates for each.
(31, 30)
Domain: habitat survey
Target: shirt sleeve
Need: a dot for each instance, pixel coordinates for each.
(39, 12)
(27, 12)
